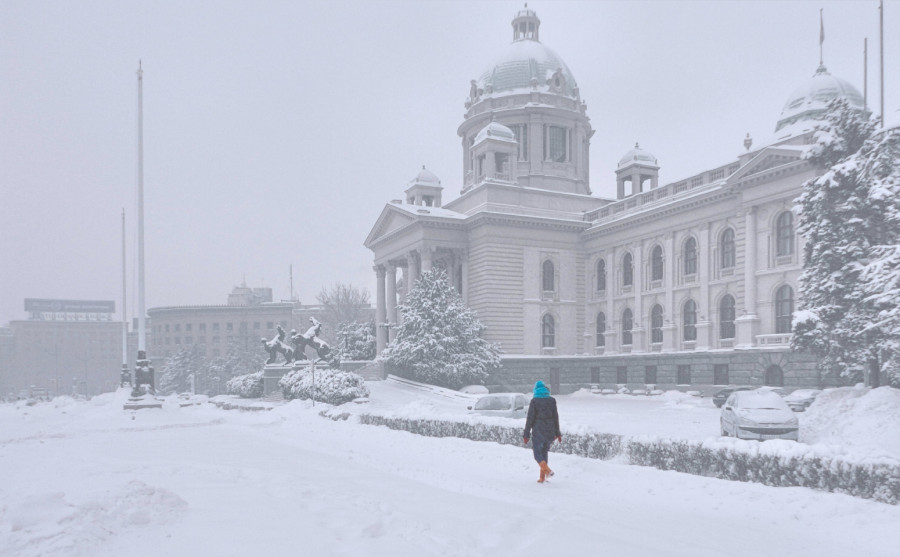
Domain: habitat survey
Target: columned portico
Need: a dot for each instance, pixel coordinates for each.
(380, 310)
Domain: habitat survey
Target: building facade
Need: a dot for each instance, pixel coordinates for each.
(691, 283)
(65, 347)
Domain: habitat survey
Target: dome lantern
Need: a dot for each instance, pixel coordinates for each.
(637, 166)
(526, 25)
(424, 190)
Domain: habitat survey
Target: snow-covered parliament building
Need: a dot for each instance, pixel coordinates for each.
(691, 283)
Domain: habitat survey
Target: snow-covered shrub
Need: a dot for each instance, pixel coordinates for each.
(246, 386)
(729, 460)
(325, 385)
(439, 340)
(356, 341)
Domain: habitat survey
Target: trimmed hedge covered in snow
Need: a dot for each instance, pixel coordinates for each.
(330, 386)
(246, 386)
(731, 459)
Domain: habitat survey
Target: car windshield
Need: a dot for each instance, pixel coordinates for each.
(494, 403)
(760, 400)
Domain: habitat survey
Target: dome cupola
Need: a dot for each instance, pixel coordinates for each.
(425, 189)
(809, 101)
(636, 167)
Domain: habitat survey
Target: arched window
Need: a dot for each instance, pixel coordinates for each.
(548, 280)
(627, 270)
(656, 263)
(784, 234)
(601, 275)
(784, 309)
(689, 318)
(601, 328)
(690, 256)
(726, 249)
(627, 325)
(774, 376)
(548, 331)
(656, 323)
(726, 316)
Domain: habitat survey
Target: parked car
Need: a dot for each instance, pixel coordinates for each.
(721, 396)
(504, 405)
(800, 399)
(758, 414)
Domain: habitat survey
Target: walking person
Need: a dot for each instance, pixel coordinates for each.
(543, 422)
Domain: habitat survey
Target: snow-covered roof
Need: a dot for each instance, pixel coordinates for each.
(425, 178)
(495, 130)
(637, 155)
(811, 98)
(519, 63)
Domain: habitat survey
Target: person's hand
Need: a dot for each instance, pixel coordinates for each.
(525, 440)
(559, 438)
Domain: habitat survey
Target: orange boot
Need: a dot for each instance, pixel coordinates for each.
(543, 474)
(546, 472)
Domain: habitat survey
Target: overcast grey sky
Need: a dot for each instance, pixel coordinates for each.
(275, 132)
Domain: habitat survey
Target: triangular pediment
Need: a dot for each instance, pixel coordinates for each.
(390, 220)
(767, 159)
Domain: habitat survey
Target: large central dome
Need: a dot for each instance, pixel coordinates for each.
(527, 63)
(808, 102)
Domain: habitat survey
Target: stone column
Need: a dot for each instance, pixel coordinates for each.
(620, 188)
(412, 271)
(380, 310)
(747, 325)
(464, 287)
(637, 332)
(670, 330)
(426, 253)
(390, 292)
(703, 276)
(635, 184)
(612, 282)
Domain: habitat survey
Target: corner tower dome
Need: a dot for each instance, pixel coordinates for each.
(527, 64)
(808, 102)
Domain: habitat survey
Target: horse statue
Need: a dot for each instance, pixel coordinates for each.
(311, 338)
(277, 346)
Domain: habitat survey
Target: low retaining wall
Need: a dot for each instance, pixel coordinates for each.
(744, 462)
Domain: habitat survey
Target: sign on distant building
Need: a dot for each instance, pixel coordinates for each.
(69, 310)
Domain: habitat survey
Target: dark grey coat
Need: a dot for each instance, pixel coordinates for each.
(542, 420)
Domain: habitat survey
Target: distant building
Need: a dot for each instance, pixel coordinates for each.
(249, 316)
(691, 283)
(65, 346)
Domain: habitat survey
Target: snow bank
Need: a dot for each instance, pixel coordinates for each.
(865, 420)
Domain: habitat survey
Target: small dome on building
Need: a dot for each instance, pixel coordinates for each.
(637, 155)
(527, 64)
(425, 177)
(810, 100)
(495, 130)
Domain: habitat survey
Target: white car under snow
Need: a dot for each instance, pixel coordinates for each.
(759, 414)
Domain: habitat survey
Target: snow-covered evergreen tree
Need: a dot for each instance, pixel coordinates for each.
(356, 341)
(439, 340)
(845, 215)
(176, 374)
(880, 169)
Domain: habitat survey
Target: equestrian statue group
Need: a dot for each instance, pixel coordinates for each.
(300, 341)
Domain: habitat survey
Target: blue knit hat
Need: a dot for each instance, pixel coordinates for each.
(541, 390)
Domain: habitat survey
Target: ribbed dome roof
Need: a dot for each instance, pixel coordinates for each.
(637, 155)
(495, 130)
(524, 60)
(810, 100)
(425, 177)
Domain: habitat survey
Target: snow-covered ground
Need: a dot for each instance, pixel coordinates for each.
(88, 478)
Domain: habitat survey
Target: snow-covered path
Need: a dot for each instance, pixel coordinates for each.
(203, 481)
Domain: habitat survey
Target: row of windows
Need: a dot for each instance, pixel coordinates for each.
(216, 327)
(784, 309)
(784, 246)
(774, 375)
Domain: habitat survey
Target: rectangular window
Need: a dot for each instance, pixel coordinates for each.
(256, 325)
(595, 375)
(177, 327)
(215, 340)
(229, 326)
(177, 340)
(167, 328)
(521, 131)
(215, 327)
(558, 145)
(270, 325)
(188, 327)
(202, 327)
(720, 374)
(684, 375)
(650, 375)
(621, 375)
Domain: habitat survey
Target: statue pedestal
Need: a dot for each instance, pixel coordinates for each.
(272, 374)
